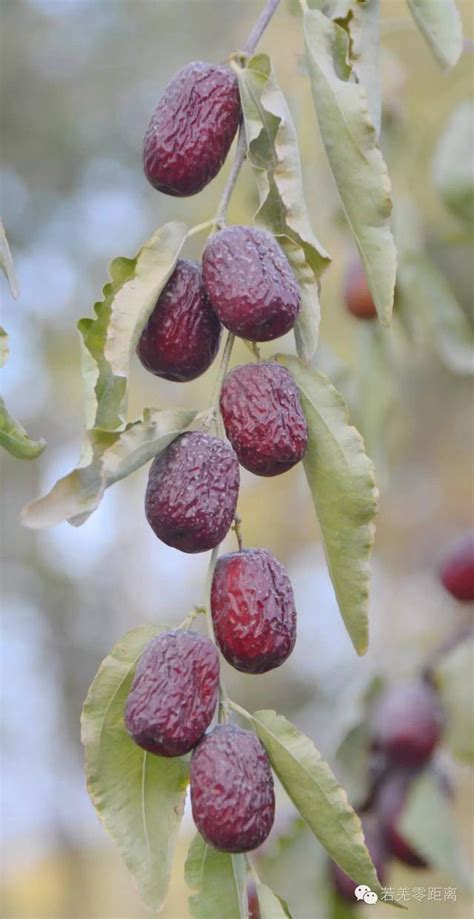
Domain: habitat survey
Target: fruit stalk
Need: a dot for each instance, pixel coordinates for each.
(260, 26)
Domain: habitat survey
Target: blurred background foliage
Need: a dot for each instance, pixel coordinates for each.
(80, 79)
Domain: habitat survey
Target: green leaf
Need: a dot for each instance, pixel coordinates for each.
(14, 438)
(109, 339)
(316, 794)
(440, 24)
(364, 27)
(357, 164)
(453, 168)
(139, 797)
(429, 826)
(4, 347)
(273, 153)
(376, 390)
(270, 904)
(342, 482)
(220, 881)
(6, 262)
(453, 675)
(106, 458)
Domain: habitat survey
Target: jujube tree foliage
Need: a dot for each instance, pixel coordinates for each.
(157, 717)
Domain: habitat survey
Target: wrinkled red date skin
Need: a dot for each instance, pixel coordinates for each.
(457, 569)
(408, 722)
(261, 409)
(174, 693)
(390, 804)
(357, 294)
(192, 129)
(181, 337)
(253, 610)
(344, 885)
(192, 492)
(232, 795)
(250, 283)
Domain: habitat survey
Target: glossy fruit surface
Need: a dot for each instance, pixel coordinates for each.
(344, 885)
(232, 795)
(181, 337)
(261, 410)
(391, 802)
(192, 129)
(357, 294)
(408, 722)
(457, 569)
(253, 610)
(174, 693)
(250, 283)
(192, 492)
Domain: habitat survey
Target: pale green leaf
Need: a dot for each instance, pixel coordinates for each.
(440, 24)
(220, 882)
(109, 338)
(139, 797)
(273, 153)
(429, 826)
(14, 438)
(342, 482)
(270, 904)
(364, 26)
(6, 262)
(376, 390)
(4, 347)
(321, 801)
(357, 164)
(106, 458)
(453, 163)
(454, 676)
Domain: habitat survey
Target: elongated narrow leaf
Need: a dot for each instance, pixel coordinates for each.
(357, 164)
(316, 794)
(342, 482)
(429, 826)
(364, 29)
(453, 677)
(4, 347)
(139, 797)
(453, 165)
(107, 457)
(14, 438)
(440, 24)
(109, 338)
(6, 262)
(220, 882)
(271, 906)
(273, 152)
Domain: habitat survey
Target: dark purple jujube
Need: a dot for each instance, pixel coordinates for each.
(232, 794)
(174, 693)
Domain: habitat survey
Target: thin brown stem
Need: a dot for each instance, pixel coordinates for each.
(260, 26)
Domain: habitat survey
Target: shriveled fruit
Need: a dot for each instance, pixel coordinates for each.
(357, 294)
(457, 569)
(262, 415)
(181, 337)
(408, 722)
(344, 885)
(250, 283)
(232, 795)
(191, 131)
(192, 492)
(253, 610)
(391, 801)
(174, 693)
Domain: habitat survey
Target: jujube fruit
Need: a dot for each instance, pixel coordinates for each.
(408, 722)
(457, 569)
(232, 795)
(391, 801)
(181, 337)
(253, 610)
(261, 410)
(250, 283)
(174, 693)
(192, 492)
(344, 885)
(357, 294)
(191, 131)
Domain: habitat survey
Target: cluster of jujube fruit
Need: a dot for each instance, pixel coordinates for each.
(245, 284)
